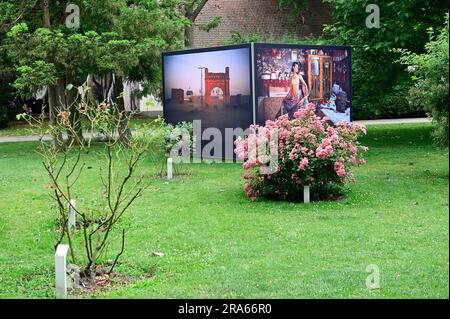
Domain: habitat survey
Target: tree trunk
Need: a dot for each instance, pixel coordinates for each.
(188, 36)
(46, 16)
(124, 129)
(76, 132)
(192, 13)
(7, 76)
(52, 89)
(54, 109)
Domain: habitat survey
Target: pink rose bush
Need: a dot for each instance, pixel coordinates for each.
(306, 151)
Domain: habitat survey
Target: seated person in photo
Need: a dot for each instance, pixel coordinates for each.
(328, 102)
(324, 102)
(341, 102)
(336, 88)
(333, 101)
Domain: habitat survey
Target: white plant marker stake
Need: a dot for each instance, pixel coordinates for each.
(306, 199)
(170, 168)
(72, 223)
(60, 271)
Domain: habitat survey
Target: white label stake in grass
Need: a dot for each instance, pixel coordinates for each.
(72, 214)
(170, 168)
(60, 271)
(306, 199)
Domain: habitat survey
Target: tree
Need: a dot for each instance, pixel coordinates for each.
(192, 9)
(124, 44)
(10, 13)
(429, 72)
(55, 89)
(380, 84)
(46, 55)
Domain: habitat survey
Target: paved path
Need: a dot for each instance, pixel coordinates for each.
(395, 121)
(31, 138)
(35, 138)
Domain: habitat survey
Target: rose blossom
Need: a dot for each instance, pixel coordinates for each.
(303, 163)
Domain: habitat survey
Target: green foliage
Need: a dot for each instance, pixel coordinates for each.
(8, 106)
(127, 40)
(5, 100)
(239, 38)
(4, 118)
(166, 136)
(430, 75)
(42, 56)
(211, 24)
(12, 11)
(380, 85)
(18, 29)
(117, 56)
(295, 6)
(33, 77)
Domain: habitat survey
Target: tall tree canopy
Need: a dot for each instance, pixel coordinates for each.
(380, 85)
(121, 37)
(110, 33)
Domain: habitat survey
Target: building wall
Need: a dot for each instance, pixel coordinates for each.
(259, 16)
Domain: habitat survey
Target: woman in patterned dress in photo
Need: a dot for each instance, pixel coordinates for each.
(298, 92)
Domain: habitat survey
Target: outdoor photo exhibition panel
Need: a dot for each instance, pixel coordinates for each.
(211, 85)
(226, 89)
(324, 79)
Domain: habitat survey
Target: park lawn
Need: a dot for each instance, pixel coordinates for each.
(218, 244)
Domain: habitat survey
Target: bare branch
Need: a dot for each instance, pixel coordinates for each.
(119, 254)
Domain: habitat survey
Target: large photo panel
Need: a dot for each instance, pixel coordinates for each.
(212, 85)
(289, 77)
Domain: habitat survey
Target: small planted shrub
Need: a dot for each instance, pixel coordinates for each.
(119, 181)
(167, 140)
(306, 151)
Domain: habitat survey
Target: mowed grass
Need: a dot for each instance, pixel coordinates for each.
(218, 244)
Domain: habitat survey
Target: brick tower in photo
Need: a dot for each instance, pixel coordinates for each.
(220, 80)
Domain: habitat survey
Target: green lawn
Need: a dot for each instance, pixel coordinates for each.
(218, 244)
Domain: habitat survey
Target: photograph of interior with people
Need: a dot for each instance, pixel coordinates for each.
(290, 78)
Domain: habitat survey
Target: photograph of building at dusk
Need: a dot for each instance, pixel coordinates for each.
(212, 86)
